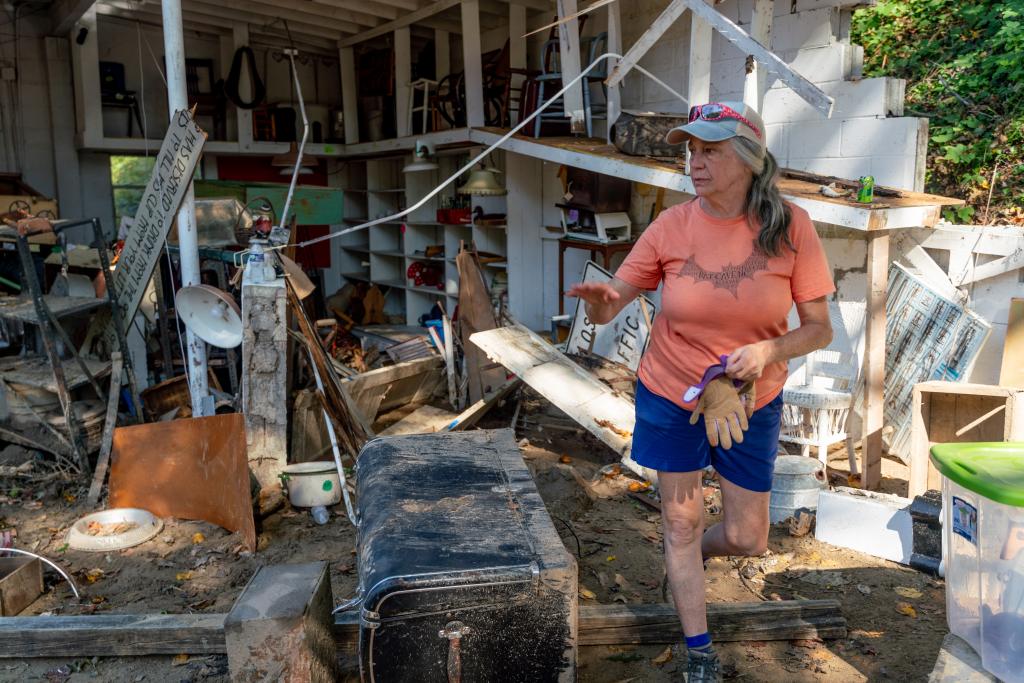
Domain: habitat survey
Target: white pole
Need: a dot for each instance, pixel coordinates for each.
(188, 245)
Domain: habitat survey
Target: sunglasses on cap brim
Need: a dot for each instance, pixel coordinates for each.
(716, 111)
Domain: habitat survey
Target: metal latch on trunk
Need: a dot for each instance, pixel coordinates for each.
(454, 631)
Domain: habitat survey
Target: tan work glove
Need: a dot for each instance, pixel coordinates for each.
(725, 413)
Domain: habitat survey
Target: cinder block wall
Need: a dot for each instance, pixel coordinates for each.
(867, 134)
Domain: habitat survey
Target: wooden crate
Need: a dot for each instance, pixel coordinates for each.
(952, 412)
(21, 582)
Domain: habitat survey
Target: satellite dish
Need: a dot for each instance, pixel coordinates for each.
(211, 314)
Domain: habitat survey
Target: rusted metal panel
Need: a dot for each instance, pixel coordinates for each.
(190, 469)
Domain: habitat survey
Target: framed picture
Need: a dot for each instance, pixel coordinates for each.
(199, 76)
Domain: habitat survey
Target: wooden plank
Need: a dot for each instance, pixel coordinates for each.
(475, 315)
(471, 415)
(406, 20)
(698, 85)
(103, 460)
(614, 96)
(349, 93)
(111, 635)
(1011, 371)
(403, 76)
(409, 382)
(646, 41)
(472, 63)
(579, 394)
(874, 360)
(424, 420)
(658, 623)
(756, 83)
(449, 359)
(569, 60)
(809, 92)
(1006, 264)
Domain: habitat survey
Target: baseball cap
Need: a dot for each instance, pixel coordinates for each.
(733, 119)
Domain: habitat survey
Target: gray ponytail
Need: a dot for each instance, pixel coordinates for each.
(764, 203)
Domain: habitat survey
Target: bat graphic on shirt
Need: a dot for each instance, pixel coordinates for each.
(730, 276)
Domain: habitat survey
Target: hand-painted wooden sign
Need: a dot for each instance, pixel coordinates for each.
(623, 340)
(172, 174)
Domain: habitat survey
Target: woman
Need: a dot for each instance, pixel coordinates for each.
(732, 263)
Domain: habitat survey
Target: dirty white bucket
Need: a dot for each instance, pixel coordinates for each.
(798, 480)
(312, 483)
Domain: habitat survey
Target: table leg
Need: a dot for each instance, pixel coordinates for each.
(561, 279)
(874, 360)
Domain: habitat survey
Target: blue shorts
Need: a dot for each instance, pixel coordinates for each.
(664, 440)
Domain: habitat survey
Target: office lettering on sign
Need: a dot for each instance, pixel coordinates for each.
(172, 173)
(623, 340)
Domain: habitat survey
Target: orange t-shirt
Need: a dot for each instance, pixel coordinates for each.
(720, 293)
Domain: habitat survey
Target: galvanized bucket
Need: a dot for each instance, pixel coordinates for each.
(796, 485)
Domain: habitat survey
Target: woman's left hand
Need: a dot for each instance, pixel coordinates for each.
(747, 362)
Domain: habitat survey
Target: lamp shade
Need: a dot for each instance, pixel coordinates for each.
(482, 182)
(420, 165)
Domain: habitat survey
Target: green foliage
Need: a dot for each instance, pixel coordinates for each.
(964, 66)
(129, 176)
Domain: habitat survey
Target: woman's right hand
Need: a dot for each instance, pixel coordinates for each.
(594, 293)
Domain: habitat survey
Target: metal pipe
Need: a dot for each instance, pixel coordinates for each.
(188, 243)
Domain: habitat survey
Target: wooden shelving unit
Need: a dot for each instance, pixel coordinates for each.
(382, 254)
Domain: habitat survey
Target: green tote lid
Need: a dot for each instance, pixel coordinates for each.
(994, 470)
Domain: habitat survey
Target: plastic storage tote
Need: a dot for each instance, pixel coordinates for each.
(983, 515)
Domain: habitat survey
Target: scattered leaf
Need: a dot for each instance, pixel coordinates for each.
(906, 608)
(183, 576)
(664, 658)
(621, 582)
(201, 604)
(565, 460)
(198, 538)
(637, 486)
(179, 660)
(602, 578)
(98, 599)
(94, 575)
(610, 558)
(865, 589)
(907, 592)
(69, 497)
(587, 593)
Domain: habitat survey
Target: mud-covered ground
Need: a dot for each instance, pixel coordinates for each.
(617, 540)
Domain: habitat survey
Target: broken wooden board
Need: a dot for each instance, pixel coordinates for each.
(475, 315)
(471, 415)
(103, 459)
(423, 420)
(190, 469)
(579, 394)
(106, 635)
(413, 381)
(1011, 372)
(727, 621)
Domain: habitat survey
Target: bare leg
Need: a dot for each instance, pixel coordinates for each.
(682, 512)
(744, 527)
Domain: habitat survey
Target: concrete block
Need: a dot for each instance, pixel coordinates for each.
(281, 627)
(851, 167)
(894, 171)
(778, 142)
(874, 523)
(722, 49)
(870, 97)
(729, 71)
(815, 139)
(820, 64)
(815, 28)
(894, 137)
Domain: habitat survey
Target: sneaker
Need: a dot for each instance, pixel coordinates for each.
(703, 667)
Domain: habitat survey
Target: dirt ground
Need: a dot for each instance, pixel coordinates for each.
(617, 540)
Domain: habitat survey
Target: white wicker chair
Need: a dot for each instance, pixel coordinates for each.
(821, 386)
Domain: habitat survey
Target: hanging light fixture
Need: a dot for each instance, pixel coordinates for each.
(482, 181)
(424, 151)
(286, 162)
